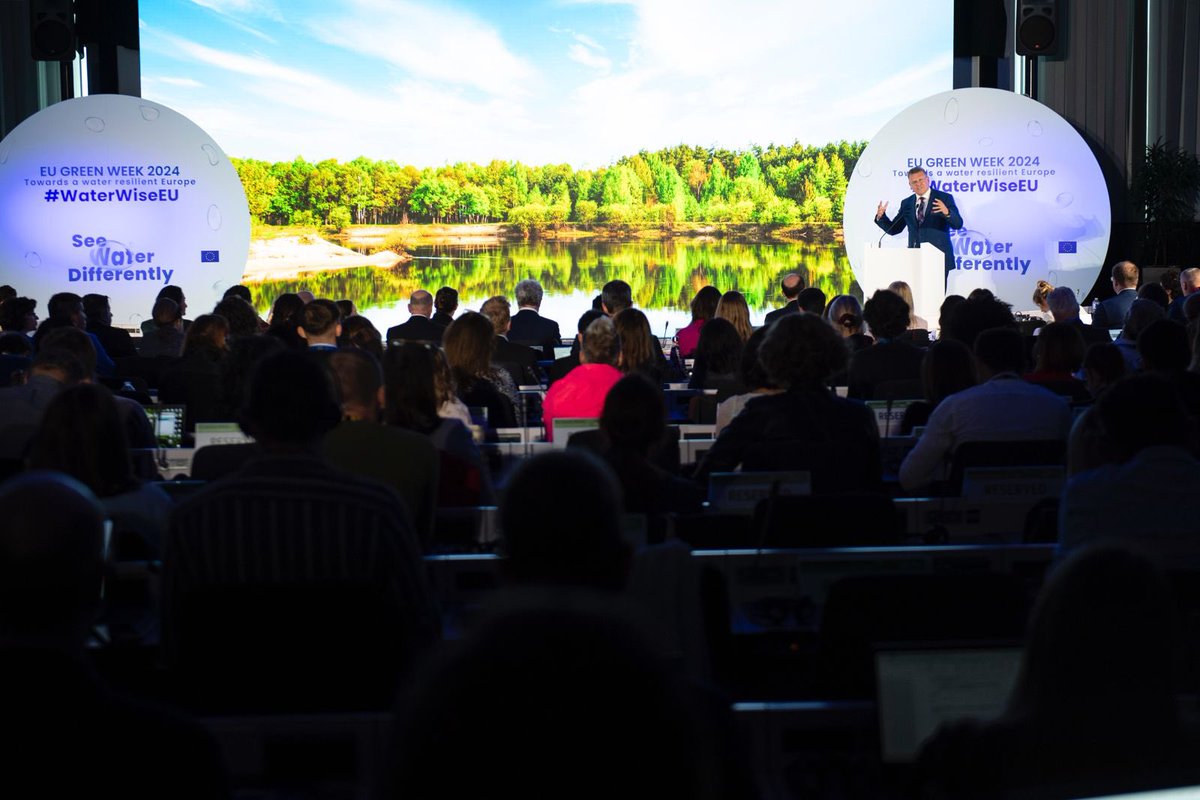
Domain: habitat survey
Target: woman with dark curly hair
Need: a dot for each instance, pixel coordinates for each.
(890, 359)
(468, 344)
(806, 427)
(704, 308)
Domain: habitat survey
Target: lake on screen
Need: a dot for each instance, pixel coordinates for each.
(664, 275)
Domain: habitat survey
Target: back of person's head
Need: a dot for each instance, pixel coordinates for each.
(616, 296)
(1103, 363)
(15, 344)
(845, 314)
(634, 416)
(446, 300)
(74, 342)
(208, 332)
(241, 316)
(284, 310)
(410, 386)
(587, 318)
(1155, 293)
(290, 401)
(1170, 281)
(362, 334)
(561, 517)
(97, 308)
(1103, 642)
(1125, 274)
(734, 308)
(166, 312)
(236, 366)
(468, 342)
(1139, 317)
(499, 312)
(905, 291)
(811, 300)
(1059, 347)
(358, 377)
(51, 558)
(320, 318)
(639, 347)
(886, 314)
(557, 694)
(1041, 293)
(6, 292)
(63, 304)
(1142, 411)
(81, 434)
(13, 313)
(791, 285)
(948, 367)
(172, 293)
(346, 308)
(754, 376)
(600, 344)
(528, 293)
(979, 312)
(421, 302)
(801, 350)
(1000, 350)
(704, 304)
(947, 308)
(1063, 304)
(1163, 346)
(241, 291)
(720, 346)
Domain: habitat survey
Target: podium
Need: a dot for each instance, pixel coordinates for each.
(923, 268)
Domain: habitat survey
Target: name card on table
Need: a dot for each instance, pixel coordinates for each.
(208, 433)
(1013, 483)
(888, 415)
(740, 492)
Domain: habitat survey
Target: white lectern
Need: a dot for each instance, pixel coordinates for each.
(923, 268)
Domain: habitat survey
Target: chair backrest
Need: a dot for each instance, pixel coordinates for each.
(859, 519)
(835, 466)
(1038, 452)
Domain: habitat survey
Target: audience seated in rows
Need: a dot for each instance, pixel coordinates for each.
(65, 310)
(469, 343)
(1002, 407)
(1058, 354)
(166, 338)
(518, 360)
(194, 380)
(1064, 307)
(175, 295)
(641, 351)
(564, 365)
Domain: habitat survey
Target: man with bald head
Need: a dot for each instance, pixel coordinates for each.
(791, 285)
(63, 733)
(1111, 313)
(419, 328)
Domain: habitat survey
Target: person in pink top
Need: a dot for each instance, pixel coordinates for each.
(581, 393)
(704, 308)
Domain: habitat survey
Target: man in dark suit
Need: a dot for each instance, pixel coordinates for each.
(1111, 312)
(518, 360)
(445, 303)
(419, 328)
(791, 285)
(528, 326)
(928, 214)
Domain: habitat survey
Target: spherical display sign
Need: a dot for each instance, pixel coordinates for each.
(1033, 200)
(116, 195)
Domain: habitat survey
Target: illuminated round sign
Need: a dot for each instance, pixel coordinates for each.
(117, 195)
(1033, 200)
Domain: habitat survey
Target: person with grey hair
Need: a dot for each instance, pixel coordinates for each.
(1065, 309)
(529, 327)
(1189, 284)
(581, 393)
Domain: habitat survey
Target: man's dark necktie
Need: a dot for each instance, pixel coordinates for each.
(920, 210)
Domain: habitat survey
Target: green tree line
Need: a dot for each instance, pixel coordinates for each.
(781, 184)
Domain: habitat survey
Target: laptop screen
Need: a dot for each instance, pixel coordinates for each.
(922, 687)
(167, 424)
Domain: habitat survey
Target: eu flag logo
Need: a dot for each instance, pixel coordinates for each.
(210, 256)
(1067, 247)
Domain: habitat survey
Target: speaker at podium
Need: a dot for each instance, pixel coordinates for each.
(922, 268)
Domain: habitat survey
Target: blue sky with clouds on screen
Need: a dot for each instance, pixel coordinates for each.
(542, 81)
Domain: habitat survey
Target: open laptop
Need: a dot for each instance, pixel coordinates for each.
(921, 686)
(167, 423)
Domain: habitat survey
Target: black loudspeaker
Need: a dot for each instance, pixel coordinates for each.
(52, 30)
(980, 28)
(1038, 28)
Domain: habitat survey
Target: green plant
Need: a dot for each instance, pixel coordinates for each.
(1165, 189)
